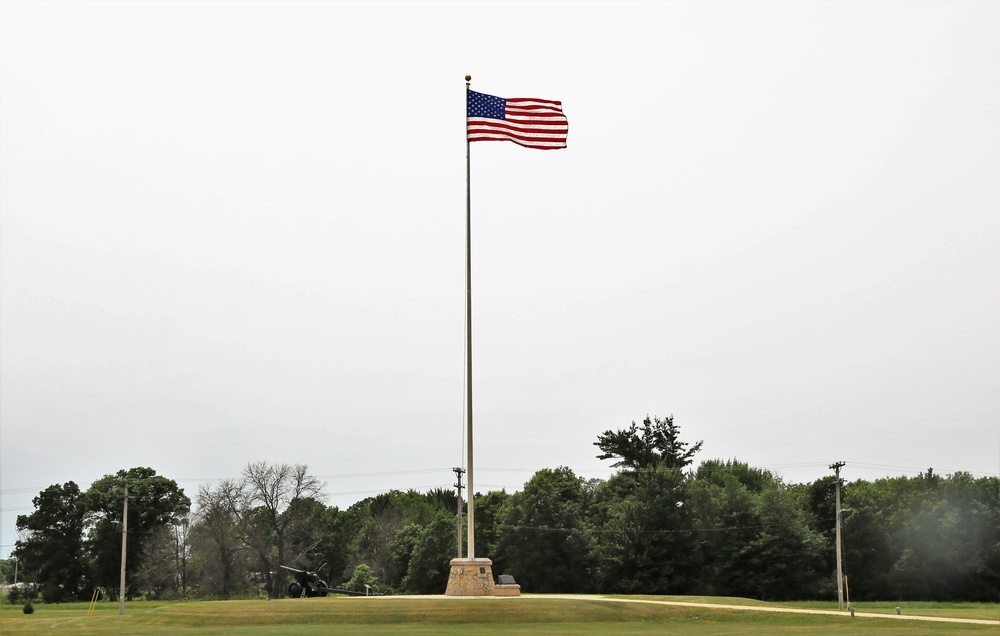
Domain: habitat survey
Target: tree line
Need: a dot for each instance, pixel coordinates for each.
(656, 526)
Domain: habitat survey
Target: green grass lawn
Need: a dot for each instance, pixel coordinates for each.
(465, 616)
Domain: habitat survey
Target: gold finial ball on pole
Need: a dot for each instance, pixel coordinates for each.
(468, 78)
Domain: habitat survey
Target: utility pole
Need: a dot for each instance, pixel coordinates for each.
(840, 558)
(121, 587)
(458, 521)
(184, 555)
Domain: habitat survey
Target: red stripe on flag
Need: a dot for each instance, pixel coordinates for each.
(532, 123)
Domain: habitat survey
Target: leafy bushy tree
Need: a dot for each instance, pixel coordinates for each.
(53, 552)
(657, 526)
(154, 501)
(648, 544)
(870, 546)
(725, 499)
(385, 540)
(914, 538)
(432, 549)
(72, 542)
(544, 537)
(319, 539)
(656, 443)
(362, 579)
(491, 508)
(755, 534)
(948, 536)
(787, 554)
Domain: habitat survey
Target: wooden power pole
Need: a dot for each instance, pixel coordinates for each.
(121, 586)
(458, 520)
(840, 557)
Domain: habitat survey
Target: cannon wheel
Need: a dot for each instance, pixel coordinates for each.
(294, 590)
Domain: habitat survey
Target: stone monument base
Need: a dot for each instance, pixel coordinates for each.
(506, 589)
(470, 577)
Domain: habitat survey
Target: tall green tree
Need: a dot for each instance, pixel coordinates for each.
(319, 539)
(490, 512)
(656, 443)
(819, 500)
(948, 535)
(545, 539)
(431, 551)
(869, 537)
(52, 554)
(787, 556)
(724, 498)
(913, 538)
(648, 543)
(380, 520)
(154, 502)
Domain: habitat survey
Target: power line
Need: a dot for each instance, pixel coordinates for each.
(24, 490)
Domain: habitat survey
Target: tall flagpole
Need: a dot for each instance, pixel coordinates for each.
(468, 330)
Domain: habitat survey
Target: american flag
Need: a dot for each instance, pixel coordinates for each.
(532, 123)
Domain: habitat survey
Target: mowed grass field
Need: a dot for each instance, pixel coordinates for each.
(530, 614)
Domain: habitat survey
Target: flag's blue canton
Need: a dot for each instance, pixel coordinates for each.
(483, 105)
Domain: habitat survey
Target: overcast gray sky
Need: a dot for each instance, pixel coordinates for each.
(234, 231)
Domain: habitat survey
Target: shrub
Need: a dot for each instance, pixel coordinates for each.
(362, 575)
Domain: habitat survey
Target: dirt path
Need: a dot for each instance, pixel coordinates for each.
(759, 608)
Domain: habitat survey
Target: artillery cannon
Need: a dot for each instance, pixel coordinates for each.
(308, 585)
